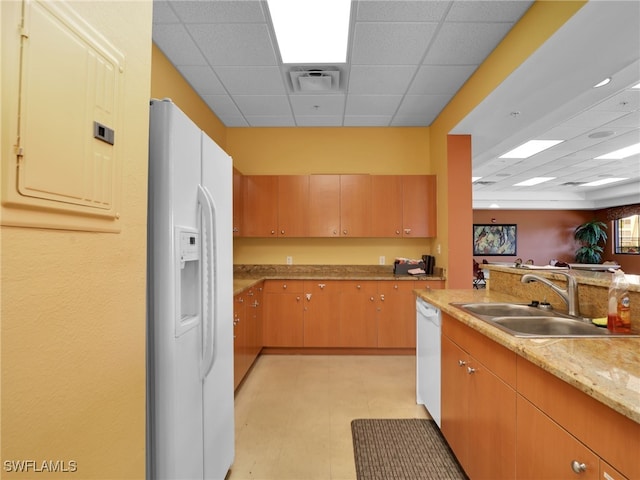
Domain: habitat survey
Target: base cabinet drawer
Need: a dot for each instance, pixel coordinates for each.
(544, 450)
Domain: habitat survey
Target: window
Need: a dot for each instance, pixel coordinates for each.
(627, 235)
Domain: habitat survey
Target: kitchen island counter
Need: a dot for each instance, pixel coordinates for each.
(607, 369)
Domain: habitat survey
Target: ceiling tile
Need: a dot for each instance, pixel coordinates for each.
(251, 80)
(423, 105)
(405, 11)
(488, 11)
(222, 105)
(445, 79)
(202, 79)
(177, 45)
(233, 120)
(235, 44)
(218, 11)
(317, 105)
(375, 105)
(390, 43)
(163, 13)
(319, 121)
(465, 43)
(252, 105)
(387, 80)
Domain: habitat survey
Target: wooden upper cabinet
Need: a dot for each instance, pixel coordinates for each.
(260, 206)
(386, 206)
(419, 210)
(324, 206)
(293, 200)
(237, 203)
(355, 205)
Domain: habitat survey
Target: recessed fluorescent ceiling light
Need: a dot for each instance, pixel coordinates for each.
(311, 31)
(533, 181)
(530, 148)
(604, 181)
(622, 153)
(636, 86)
(475, 179)
(602, 83)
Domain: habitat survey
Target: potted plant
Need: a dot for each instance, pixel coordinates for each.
(590, 234)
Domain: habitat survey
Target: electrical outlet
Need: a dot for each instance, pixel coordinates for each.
(381, 260)
(289, 260)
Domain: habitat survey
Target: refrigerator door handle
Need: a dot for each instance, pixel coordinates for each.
(209, 283)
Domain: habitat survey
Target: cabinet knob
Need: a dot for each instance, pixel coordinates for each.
(578, 467)
(284, 286)
(358, 287)
(461, 363)
(397, 232)
(407, 231)
(308, 295)
(382, 297)
(471, 370)
(281, 232)
(372, 299)
(298, 298)
(395, 286)
(344, 232)
(335, 232)
(322, 285)
(273, 232)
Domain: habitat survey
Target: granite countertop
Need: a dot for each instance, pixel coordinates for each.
(585, 277)
(245, 276)
(607, 369)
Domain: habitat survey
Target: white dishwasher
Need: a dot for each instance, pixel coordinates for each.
(428, 322)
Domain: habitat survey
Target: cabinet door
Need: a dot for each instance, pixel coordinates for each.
(607, 472)
(237, 203)
(355, 205)
(455, 389)
(547, 451)
(357, 312)
(386, 206)
(321, 313)
(254, 307)
(260, 206)
(491, 423)
(283, 314)
(239, 339)
(396, 314)
(293, 197)
(419, 206)
(324, 206)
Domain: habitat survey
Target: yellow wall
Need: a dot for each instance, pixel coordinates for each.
(73, 303)
(392, 151)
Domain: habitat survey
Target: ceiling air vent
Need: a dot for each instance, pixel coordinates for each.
(484, 182)
(315, 80)
(572, 184)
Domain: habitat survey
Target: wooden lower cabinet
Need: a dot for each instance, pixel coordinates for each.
(478, 406)
(321, 314)
(396, 314)
(283, 313)
(571, 426)
(547, 451)
(247, 331)
(358, 325)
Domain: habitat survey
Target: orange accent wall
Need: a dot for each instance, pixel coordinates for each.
(542, 234)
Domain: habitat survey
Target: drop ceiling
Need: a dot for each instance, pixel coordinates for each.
(407, 59)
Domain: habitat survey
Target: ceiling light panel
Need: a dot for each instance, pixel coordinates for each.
(302, 33)
(604, 181)
(621, 153)
(530, 148)
(533, 181)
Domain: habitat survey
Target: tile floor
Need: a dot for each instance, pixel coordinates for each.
(294, 412)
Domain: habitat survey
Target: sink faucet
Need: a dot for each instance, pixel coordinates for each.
(570, 295)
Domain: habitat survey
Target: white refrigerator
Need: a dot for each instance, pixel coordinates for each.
(190, 413)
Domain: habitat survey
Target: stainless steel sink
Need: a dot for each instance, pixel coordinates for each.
(521, 320)
(505, 310)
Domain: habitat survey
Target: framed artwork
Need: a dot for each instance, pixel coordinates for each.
(494, 240)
